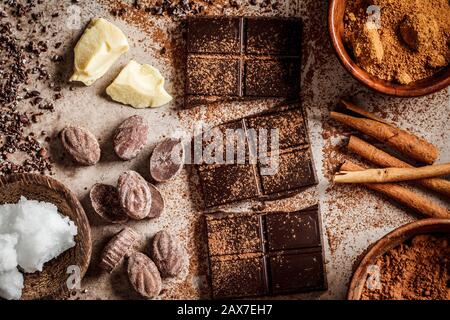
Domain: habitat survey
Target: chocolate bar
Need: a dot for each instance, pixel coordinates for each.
(291, 162)
(266, 253)
(236, 57)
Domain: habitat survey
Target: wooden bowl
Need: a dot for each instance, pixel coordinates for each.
(51, 282)
(439, 81)
(388, 242)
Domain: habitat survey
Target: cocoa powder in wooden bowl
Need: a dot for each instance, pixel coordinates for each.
(52, 281)
(411, 262)
(440, 79)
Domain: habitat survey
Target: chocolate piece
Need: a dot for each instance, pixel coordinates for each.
(265, 254)
(213, 76)
(225, 139)
(292, 171)
(214, 35)
(296, 272)
(219, 48)
(293, 230)
(235, 234)
(273, 36)
(290, 124)
(272, 78)
(234, 276)
(227, 183)
(233, 158)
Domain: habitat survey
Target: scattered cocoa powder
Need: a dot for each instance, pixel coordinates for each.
(413, 42)
(416, 270)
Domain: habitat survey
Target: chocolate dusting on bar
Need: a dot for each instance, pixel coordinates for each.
(263, 53)
(266, 253)
(293, 171)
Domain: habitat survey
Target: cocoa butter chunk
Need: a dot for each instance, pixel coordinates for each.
(130, 137)
(97, 50)
(81, 144)
(418, 31)
(166, 160)
(367, 45)
(140, 86)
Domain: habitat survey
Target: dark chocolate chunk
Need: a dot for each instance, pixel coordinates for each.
(213, 76)
(234, 234)
(289, 171)
(290, 124)
(226, 142)
(214, 35)
(296, 272)
(265, 254)
(219, 48)
(272, 77)
(227, 183)
(278, 174)
(234, 276)
(273, 36)
(293, 230)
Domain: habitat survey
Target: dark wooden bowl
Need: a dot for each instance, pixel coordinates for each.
(388, 242)
(51, 282)
(439, 81)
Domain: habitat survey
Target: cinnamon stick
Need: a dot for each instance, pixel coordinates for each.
(392, 174)
(384, 159)
(403, 195)
(401, 140)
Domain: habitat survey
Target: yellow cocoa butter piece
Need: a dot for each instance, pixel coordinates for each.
(101, 44)
(139, 85)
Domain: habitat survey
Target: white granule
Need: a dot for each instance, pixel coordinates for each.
(31, 234)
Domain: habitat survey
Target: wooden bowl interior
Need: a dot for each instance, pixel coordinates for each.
(51, 282)
(388, 242)
(423, 87)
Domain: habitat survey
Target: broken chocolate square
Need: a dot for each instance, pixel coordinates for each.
(214, 35)
(296, 272)
(293, 230)
(272, 77)
(287, 171)
(214, 76)
(273, 36)
(235, 234)
(234, 276)
(290, 125)
(224, 183)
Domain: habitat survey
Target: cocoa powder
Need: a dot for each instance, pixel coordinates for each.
(416, 270)
(412, 42)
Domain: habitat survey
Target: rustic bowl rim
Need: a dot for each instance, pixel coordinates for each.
(429, 85)
(65, 193)
(381, 246)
